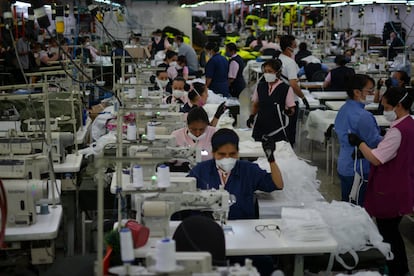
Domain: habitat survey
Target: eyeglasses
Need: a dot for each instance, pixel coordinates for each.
(271, 227)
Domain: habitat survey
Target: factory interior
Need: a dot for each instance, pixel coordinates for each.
(222, 137)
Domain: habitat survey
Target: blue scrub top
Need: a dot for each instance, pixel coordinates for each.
(217, 69)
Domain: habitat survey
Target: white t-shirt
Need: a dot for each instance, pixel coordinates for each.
(290, 69)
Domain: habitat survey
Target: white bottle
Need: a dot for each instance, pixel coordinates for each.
(132, 132)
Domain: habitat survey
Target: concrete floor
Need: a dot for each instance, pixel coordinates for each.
(330, 184)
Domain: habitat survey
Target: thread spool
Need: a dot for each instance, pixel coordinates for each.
(144, 92)
(127, 250)
(163, 176)
(137, 176)
(132, 132)
(150, 131)
(165, 255)
(132, 93)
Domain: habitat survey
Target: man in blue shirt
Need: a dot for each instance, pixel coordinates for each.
(240, 178)
(353, 118)
(216, 70)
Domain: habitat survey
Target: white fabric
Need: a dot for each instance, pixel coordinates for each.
(318, 122)
(303, 225)
(352, 228)
(300, 183)
(311, 59)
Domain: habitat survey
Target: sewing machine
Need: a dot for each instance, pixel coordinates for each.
(22, 196)
(30, 143)
(23, 166)
(155, 206)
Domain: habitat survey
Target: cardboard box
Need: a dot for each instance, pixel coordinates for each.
(138, 52)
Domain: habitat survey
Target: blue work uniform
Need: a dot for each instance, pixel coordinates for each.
(217, 69)
(245, 178)
(353, 118)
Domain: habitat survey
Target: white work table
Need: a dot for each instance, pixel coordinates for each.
(243, 240)
(45, 228)
(336, 105)
(330, 95)
(311, 84)
(71, 164)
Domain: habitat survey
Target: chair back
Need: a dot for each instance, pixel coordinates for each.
(200, 233)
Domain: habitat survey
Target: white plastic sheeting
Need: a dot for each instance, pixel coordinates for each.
(300, 183)
(352, 228)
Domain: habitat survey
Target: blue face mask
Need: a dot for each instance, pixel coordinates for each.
(394, 82)
(347, 59)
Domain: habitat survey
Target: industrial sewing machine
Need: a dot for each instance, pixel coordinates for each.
(21, 176)
(22, 197)
(34, 142)
(155, 206)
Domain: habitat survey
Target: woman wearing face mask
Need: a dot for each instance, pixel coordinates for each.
(158, 43)
(197, 133)
(352, 117)
(196, 97)
(170, 62)
(398, 79)
(161, 78)
(179, 94)
(182, 68)
(390, 191)
(273, 100)
(240, 178)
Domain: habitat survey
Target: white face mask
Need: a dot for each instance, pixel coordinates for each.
(269, 77)
(157, 38)
(162, 83)
(195, 138)
(226, 164)
(173, 63)
(390, 116)
(178, 93)
(369, 99)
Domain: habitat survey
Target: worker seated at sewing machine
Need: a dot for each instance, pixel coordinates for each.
(240, 178)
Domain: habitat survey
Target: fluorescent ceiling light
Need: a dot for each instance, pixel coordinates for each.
(318, 5)
(287, 3)
(309, 2)
(338, 4)
(361, 2)
(390, 2)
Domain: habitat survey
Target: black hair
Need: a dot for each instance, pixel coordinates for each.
(394, 95)
(286, 41)
(340, 60)
(303, 46)
(231, 47)
(179, 38)
(186, 85)
(198, 90)
(223, 137)
(170, 54)
(162, 68)
(404, 77)
(197, 114)
(157, 31)
(182, 59)
(212, 46)
(358, 82)
(275, 64)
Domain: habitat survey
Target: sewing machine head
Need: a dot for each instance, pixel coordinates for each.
(23, 166)
(22, 196)
(31, 143)
(157, 208)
